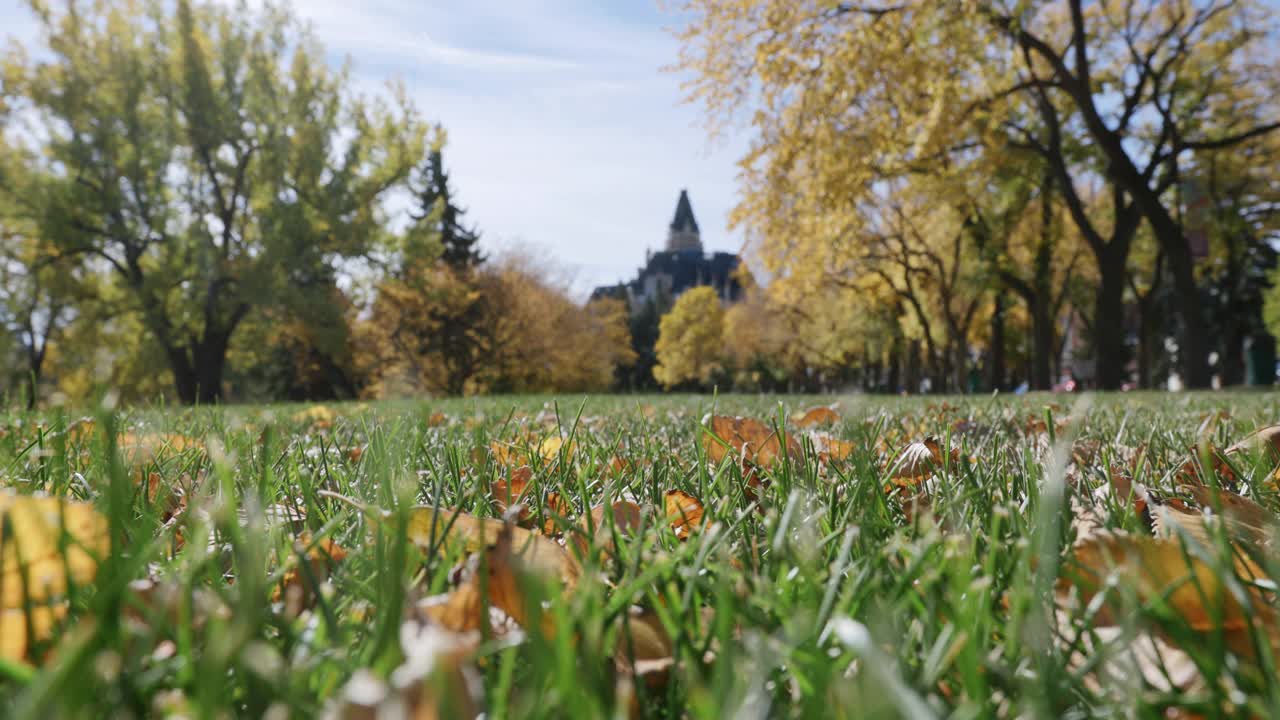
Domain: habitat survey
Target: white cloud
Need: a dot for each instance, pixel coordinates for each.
(487, 60)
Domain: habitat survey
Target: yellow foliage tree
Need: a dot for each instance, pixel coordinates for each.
(690, 339)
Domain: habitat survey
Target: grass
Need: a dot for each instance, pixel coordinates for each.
(823, 592)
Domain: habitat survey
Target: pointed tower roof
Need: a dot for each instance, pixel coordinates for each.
(683, 221)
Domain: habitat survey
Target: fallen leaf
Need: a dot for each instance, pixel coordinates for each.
(139, 450)
(750, 439)
(831, 449)
(918, 461)
(14, 637)
(45, 545)
(1162, 572)
(431, 527)
(511, 491)
(596, 528)
(296, 589)
(821, 415)
(460, 610)
(316, 417)
(684, 512)
(34, 564)
(645, 650)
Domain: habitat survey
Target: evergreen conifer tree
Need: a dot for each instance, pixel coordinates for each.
(437, 208)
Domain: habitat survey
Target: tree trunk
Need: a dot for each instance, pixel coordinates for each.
(894, 380)
(184, 376)
(1193, 341)
(210, 364)
(1231, 359)
(1108, 325)
(913, 367)
(1042, 343)
(996, 377)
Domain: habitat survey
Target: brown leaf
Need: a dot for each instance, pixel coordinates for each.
(596, 529)
(511, 491)
(1160, 571)
(1192, 472)
(918, 461)
(431, 528)
(831, 449)
(295, 589)
(460, 610)
(139, 450)
(1247, 520)
(821, 415)
(684, 512)
(751, 440)
(645, 650)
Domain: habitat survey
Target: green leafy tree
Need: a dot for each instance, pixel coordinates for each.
(690, 339)
(207, 158)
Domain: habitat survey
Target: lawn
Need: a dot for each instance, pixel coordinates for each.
(1037, 556)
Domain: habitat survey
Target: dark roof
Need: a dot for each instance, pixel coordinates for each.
(687, 269)
(684, 214)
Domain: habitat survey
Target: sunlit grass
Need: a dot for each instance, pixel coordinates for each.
(823, 591)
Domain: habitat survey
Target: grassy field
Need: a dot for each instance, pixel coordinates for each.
(1042, 556)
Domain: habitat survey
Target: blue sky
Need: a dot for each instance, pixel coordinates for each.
(564, 133)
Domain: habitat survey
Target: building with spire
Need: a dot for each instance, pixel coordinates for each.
(681, 265)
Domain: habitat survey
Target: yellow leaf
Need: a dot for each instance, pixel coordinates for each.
(13, 628)
(45, 543)
(32, 534)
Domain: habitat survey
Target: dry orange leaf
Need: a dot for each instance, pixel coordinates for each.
(821, 415)
(832, 449)
(1245, 518)
(460, 610)
(512, 490)
(295, 589)
(521, 453)
(597, 527)
(684, 512)
(750, 439)
(1162, 571)
(1267, 438)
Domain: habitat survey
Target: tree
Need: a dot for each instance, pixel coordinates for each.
(205, 156)
(425, 328)
(845, 97)
(690, 338)
(540, 340)
(37, 299)
(439, 215)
